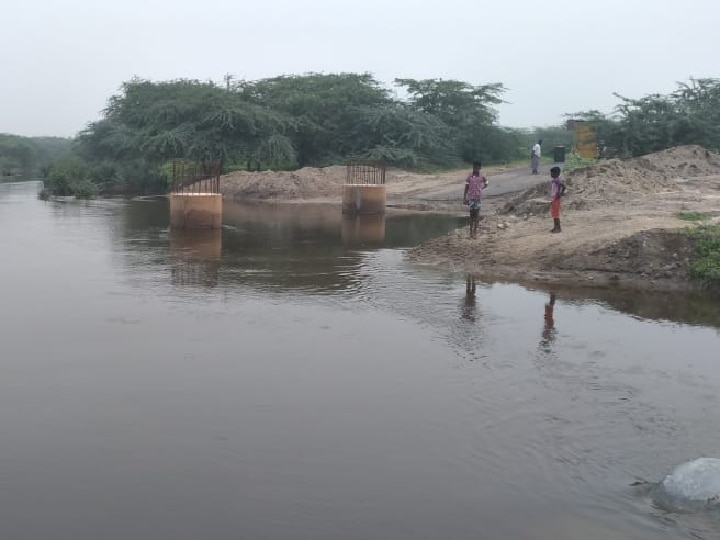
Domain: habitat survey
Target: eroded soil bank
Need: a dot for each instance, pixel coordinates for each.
(622, 225)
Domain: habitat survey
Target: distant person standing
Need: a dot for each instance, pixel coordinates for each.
(535, 155)
(557, 190)
(474, 185)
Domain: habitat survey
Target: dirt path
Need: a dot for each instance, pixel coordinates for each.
(439, 192)
(448, 187)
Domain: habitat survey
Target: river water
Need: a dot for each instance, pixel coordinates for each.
(291, 376)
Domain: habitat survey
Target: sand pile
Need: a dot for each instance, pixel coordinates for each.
(303, 184)
(617, 180)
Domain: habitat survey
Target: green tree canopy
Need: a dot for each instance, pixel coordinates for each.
(689, 115)
(312, 119)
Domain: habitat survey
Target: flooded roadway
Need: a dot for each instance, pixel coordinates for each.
(293, 377)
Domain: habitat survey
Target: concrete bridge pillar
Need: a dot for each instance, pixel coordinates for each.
(195, 199)
(195, 210)
(363, 199)
(364, 190)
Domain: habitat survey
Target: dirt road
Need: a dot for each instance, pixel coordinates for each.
(440, 192)
(444, 192)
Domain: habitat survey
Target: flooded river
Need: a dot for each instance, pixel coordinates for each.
(292, 377)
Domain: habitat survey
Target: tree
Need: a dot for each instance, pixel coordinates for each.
(468, 112)
(148, 124)
(457, 103)
(323, 108)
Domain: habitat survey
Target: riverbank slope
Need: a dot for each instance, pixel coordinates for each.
(624, 223)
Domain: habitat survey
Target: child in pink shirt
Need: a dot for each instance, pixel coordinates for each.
(474, 186)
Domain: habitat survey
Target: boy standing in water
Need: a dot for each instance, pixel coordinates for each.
(557, 190)
(474, 185)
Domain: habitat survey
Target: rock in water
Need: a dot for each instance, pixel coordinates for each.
(692, 485)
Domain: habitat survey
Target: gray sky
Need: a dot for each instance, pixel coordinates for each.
(61, 59)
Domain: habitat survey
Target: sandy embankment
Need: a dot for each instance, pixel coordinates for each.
(619, 220)
(438, 192)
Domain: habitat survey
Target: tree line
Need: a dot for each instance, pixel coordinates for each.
(323, 119)
(23, 158)
(285, 123)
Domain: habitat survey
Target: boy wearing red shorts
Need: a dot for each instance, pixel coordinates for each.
(557, 190)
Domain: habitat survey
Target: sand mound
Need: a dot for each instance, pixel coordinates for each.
(619, 180)
(302, 184)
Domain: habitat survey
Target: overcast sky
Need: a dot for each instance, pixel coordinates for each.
(60, 60)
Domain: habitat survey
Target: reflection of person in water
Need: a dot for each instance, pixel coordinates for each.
(548, 334)
(468, 309)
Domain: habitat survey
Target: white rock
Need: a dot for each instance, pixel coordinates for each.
(695, 480)
(694, 484)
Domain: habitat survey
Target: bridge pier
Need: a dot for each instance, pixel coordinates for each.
(195, 198)
(195, 210)
(364, 189)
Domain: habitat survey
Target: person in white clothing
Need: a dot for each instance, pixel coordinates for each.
(535, 156)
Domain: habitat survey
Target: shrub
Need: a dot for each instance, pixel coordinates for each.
(706, 265)
(576, 161)
(692, 216)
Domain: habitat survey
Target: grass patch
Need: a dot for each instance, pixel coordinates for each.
(706, 266)
(576, 161)
(692, 216)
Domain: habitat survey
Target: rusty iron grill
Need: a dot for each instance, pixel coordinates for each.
(195, 177)
(365, 172)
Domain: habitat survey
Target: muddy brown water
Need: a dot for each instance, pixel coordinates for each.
(293, 377)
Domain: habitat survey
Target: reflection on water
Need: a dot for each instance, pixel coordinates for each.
(363, 230)
(195, 256)
(18, 191)
(468, 312)
(303, 248)
(697, 308)
(273, 380)
(549, 331)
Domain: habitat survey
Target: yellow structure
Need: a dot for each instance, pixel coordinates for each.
(195, 210)
(368, 230)
(584, 138)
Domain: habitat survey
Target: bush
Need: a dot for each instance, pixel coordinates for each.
(706, 266)
(576, 161)
(692, 216)
(65, 175)
(83, 189)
